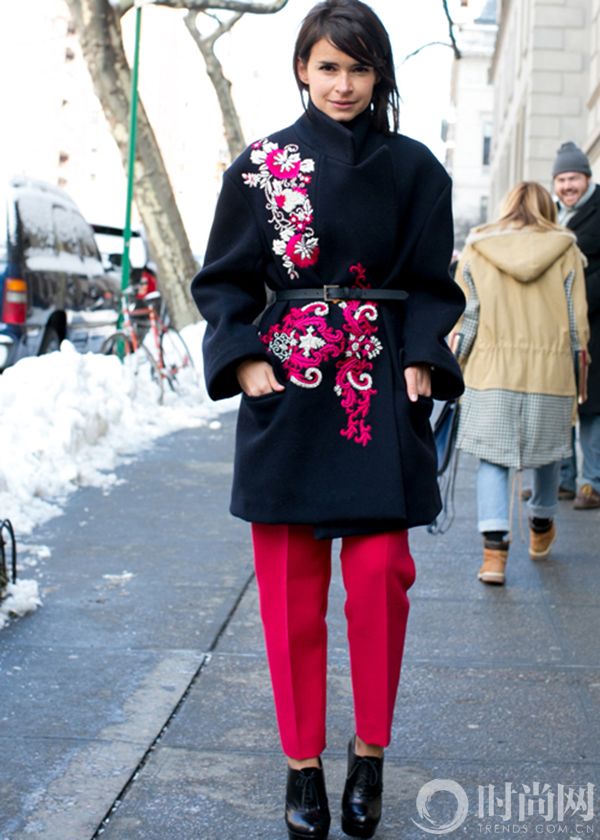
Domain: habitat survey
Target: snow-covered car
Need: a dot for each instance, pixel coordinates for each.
(52, 282)
(109, 239)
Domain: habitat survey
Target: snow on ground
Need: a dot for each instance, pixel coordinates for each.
(67, 420)
(22, 597)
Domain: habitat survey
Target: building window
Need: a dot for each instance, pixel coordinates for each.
(487, 144)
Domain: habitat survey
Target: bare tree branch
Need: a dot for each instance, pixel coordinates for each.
(232, 127)
(241, 6)
(223, 26)
(424, 47)
(457, 52)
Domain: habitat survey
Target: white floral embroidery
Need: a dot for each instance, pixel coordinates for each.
(284, 178)
(364, 345)
(310, 342)
(311, 378)
(282, 345)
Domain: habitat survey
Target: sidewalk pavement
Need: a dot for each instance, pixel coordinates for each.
(136, 702)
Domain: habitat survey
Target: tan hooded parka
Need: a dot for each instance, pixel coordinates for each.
(525, 319)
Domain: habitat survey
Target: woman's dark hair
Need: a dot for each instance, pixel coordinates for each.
(354, 28)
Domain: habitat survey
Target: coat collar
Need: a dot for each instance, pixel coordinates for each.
(341, 141)
(588, 209)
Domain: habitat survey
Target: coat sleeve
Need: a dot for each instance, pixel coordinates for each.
(579, 304)
(435, 301)
(465, 331)
(592, 284)
(588, 240)
(230, 291)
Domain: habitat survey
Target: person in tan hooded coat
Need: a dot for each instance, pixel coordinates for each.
(525, 322)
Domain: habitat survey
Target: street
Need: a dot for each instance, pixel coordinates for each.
(135, 703)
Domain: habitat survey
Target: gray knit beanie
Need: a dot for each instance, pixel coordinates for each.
(570, 158)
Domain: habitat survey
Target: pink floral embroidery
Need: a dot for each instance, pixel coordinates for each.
(304, 341)
(282, 164)
(354, 383)
(301, 252)
(360, 276)
(284, 178)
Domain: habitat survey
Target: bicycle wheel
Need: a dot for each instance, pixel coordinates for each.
(178, 365)
(8, 556)
(143, 369)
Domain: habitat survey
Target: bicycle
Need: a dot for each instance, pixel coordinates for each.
(155, 352)
(8, 556)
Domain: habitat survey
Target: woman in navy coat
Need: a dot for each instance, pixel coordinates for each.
(327, 299)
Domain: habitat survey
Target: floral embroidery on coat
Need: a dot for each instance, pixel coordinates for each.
(353, 382)
(304, 341)
(284, 178)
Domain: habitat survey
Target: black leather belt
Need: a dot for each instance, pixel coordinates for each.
(335, 293)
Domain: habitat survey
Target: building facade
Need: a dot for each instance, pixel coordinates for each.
(592, 142)
(540, 71)
(469, 130)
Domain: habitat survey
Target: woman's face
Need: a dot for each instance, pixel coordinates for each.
(338, 85)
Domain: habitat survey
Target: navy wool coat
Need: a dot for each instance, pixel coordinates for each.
(341, 448)
(585, 224)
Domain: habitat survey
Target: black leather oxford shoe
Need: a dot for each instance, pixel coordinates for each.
(306, 806)
(361, 801)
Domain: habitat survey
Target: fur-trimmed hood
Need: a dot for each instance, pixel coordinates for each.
(523, 253)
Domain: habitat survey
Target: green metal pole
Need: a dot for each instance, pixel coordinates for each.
(125, 279)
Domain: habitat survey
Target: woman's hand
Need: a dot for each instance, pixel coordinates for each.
(257, 378)
(418, 381)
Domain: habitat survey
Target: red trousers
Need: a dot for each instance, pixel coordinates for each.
(293, 571)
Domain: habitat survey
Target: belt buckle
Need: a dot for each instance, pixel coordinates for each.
(327, 294)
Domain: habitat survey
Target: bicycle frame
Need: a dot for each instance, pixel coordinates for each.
(170, 354)
(129, 312)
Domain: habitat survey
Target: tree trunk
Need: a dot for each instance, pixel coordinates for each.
(99, 31)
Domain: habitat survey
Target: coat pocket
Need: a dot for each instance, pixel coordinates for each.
(418, 416)
(422, 408)
(261, 397)
(259, 415)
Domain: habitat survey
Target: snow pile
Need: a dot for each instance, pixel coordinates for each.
(21, 597)
(68, 420)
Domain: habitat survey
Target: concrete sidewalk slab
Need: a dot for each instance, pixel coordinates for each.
(137, 588)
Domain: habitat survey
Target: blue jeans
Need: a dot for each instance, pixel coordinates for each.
(589, 438)
(568, 468)
(493, 495)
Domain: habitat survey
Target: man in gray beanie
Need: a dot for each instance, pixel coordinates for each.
(570, 158)
(579, 209)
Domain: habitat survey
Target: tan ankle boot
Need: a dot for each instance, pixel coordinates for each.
(541, 543)
(495, 555)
